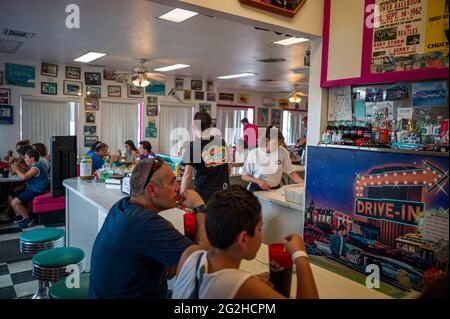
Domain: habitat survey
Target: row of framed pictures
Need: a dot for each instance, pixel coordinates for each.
(76, 88)
(275, 116)
(196, 85)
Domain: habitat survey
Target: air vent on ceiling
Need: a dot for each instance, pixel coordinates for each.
(19, 34)
(266, 80)
(301, 70)
(9, 46)
(272, 60)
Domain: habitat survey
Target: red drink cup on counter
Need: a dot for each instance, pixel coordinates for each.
(280, 269)
(190, 225)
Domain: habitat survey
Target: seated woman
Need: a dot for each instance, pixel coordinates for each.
(37, 183)
(131, 152)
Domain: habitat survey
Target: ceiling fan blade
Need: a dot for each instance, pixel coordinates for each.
(155, 76)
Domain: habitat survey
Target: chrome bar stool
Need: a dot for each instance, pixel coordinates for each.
(59, 289)
(36, 240)
(52, 264)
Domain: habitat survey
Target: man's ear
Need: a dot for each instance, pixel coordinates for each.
(241, 239)
(151, 189)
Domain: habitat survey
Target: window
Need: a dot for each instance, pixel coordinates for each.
(119, 123)
(229, 122)
(293, 127)
(40, 119)
(173, 116)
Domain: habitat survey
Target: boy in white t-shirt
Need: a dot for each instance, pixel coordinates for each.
(264, 166)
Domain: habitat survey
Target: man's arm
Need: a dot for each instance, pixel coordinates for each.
(187, 178)
(261, 183)
(296, 178)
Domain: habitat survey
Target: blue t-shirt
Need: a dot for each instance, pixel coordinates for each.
(97, 161)
(132, 252)
(38, 183)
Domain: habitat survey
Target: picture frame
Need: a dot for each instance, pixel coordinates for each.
(109, 75)
(228, 97)
(49, 88)
(275, 117)
(5, 96)
(91, 104)
(210, 86)
(92, 78)
(211, 97)
(90, 141)
(196, 85)
(73, 88)
(49, 69)
(152, 100)
(90, 130)
(283, 103)
(179, 84)
(188, 95)
(1, 77)
(90, 117)
(6, 114)
(242, 98)
(73, 72)
(263, 116)
(204, 107)
(20, 75)
(199, 95)
(285, 8)
(114, 91)
(152, 110)
(134, 91)
(93, 91)
(156, 88)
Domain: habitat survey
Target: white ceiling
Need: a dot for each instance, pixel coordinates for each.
(128, 30)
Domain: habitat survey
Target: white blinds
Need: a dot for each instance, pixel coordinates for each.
(231, 118)
(42, 119)
(119, 122)
(173, 116)
(292, 126)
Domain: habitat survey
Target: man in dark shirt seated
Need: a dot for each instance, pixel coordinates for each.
(136, 249)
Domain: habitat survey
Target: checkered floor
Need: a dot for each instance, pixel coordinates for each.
(16, 279)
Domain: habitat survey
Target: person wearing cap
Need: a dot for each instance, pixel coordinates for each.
(264, 167)
(137, 250)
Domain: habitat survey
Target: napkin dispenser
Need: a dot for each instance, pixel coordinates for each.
(125, 186)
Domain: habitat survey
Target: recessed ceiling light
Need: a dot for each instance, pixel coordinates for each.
(235, 76)
(89, 57)
(178, 15)
(291, 41)
(172, 67)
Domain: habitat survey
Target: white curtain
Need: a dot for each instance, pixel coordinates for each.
(43, 118)
(172, 116)
(292, 126)
(119, 123)
(231, 118)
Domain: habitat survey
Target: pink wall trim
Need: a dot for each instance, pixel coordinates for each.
(366, 76)
(141, 115)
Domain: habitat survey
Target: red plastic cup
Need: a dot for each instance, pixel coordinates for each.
(280, 269)
(190, 225)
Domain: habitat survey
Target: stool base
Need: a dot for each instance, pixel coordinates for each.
(42, 292)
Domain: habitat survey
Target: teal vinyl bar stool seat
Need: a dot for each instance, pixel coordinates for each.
(59, 290)
(36, 240)
(51, 265)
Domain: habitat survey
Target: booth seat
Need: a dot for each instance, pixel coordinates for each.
(48, 209)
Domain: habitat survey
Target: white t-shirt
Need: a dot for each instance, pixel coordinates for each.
(269, 167)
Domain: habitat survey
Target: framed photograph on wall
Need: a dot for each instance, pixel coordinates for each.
(92, 78)
(152, 100)
(49, 88)
(89, 141)
(211, 97)
(187, 95)
(91, 104)
(263, 116)
(243, 98)
(114, 91)
(179, 84)
(109, 75)
(20, 75)
(152, 110)
(275, 118)
(73, 88)
(134, 91)
(94, 91)
(156, 88)
(199, 95)
(5, 96)
(204, 108)
(229, 97)
(73, 72)
(90, 130)
(49, 69)
(210, 86)
(90, 117)
(196, 85)
(6, 114)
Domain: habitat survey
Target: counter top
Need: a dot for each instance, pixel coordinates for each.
(277, 197)
(10, 179)
(382, 150)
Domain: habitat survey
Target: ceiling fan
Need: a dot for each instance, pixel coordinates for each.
(295, 96)
(141, 77)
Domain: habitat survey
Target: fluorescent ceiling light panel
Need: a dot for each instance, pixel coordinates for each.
(178, 15)
(235, 76)
(89, 57)
(291, 41)
(172, 67)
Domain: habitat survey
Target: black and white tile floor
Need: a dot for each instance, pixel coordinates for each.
(16, 279)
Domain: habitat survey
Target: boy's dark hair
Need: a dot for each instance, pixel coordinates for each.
(229, 213)
(273, 127)
(24, 149)
(33, 154)
(205, 120)
(245, 120)
(342, 227)
(41, 148)
(146, 145)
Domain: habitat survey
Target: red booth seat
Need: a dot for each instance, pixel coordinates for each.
(46, 203)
